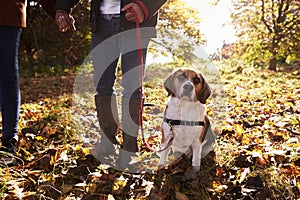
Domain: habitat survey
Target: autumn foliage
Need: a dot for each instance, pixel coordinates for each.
(256, 156)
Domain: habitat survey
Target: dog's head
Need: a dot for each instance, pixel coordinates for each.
(188, 83)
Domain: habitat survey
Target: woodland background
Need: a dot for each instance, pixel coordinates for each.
(257, 155)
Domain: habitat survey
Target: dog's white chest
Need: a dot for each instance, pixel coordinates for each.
(184, 136)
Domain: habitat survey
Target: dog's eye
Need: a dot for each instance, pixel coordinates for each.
(181, 77)
(196, 80)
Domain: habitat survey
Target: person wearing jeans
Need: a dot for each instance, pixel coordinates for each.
(12, 20)
(113, 33)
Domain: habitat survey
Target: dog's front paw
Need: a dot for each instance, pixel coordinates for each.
(196, 168)
(161, 166)
(190, 174)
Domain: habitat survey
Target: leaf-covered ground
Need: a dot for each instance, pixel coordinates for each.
(257, 155)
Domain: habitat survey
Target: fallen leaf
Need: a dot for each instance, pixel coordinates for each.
(220, 171)
(39, 138)
(181, 196)
(239, 130)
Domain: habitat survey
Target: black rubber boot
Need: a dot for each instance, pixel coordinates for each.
(8, 152)
(107, 114)
(130, 128)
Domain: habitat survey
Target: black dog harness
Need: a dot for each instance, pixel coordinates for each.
(173, 122)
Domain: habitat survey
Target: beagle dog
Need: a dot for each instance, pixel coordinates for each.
(185, 123)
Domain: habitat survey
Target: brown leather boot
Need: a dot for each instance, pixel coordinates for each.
(130, 128)
(107, 114)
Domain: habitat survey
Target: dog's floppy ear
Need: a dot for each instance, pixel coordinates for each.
(205, 91)
(169, 84)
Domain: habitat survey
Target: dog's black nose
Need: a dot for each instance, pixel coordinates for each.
(188, 87)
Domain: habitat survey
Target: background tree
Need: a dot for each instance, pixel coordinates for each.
(43, 46)
(179, 30)
(268, 30)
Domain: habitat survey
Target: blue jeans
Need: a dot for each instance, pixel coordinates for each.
(108, 44)
(9, 81)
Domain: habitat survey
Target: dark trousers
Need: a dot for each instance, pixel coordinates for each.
(9, 80)
(108, 44)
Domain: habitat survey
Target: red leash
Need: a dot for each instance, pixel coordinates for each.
(141, 63)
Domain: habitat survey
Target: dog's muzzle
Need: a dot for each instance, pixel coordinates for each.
(187, 90)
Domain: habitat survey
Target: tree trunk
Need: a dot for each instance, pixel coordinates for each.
(274, 48)
(272, 64)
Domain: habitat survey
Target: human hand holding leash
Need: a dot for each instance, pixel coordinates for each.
(130, 15)
(64, 21)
